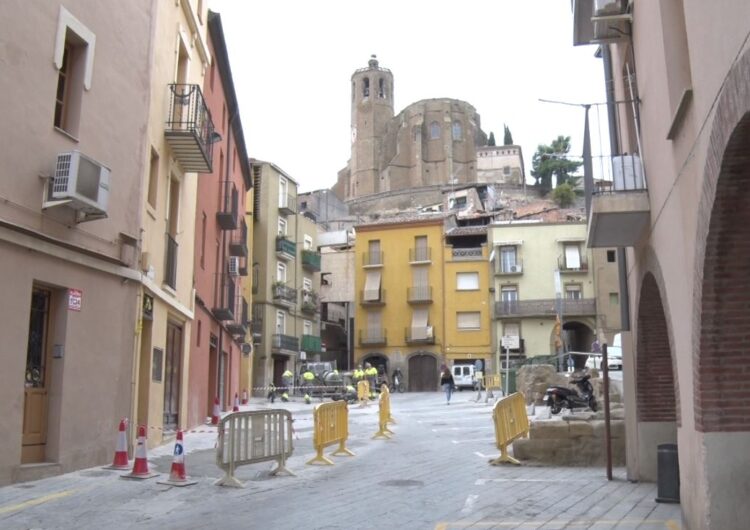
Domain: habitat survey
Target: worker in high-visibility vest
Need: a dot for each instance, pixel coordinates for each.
(358, 374)
(288, 378)
(371, 374)
(307, 381)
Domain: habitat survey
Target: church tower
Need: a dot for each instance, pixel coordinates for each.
(372, 110)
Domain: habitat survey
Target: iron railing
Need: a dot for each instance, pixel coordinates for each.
(238, 244)
(285, 247)
(419, 294)
(373, 337)
(380, 300)
(310, 302)
(284, 294)
(189, 128)
(546, 307)
(468, 254)
(373, 259)
(287, 204)
(238, 325)
(420, 254)
(287, 343)
(311, 260)
(564, 266)
(504, 268)
(170, 267)
(426, 336)
(225, 303)
(227, 215)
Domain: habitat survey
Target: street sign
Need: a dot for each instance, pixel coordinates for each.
(510, 341)
(75, 297)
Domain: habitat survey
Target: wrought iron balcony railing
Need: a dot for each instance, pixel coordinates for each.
(419, 335)
(372, 259)
(420, 255)
(420, 294)
(238, 244)
(373, 298)
(238, 325)
(373, 337)
(545, 308)
(281, 343)
(568, 266)
(225, 303)
(509, 268)
(189, 128)
(227, 216)
(170, 266)
(285, 248)
(284, 295)
(287, 205)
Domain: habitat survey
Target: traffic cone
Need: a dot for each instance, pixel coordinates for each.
(244, 397)
(177, 475)
(217, 412)
(236, 407)
(140, 466)
(120, 461)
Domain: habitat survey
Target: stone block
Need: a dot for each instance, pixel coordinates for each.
(617, 429)
(549, 429)
(580, 428)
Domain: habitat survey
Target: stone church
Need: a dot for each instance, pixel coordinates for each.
(430, 144)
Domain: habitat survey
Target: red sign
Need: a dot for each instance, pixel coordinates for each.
(75, 296)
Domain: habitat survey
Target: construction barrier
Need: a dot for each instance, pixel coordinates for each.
(251, 437)
(331, 426)
(384, 414)
(492, 382)
(511, 423)
(363, 393)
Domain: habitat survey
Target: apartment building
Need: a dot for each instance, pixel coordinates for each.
(70, 214)
(679, 110)
(222, 249)
(286, 279)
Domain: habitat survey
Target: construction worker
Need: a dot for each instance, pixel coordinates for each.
(371, 374)
(358, 374)
(307, 380)
(288, 378)
(285, 397)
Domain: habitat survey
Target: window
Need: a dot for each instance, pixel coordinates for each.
(573, 292)
(611, 256)
(512, 330)
(381, 88)
(372, 286)
(509, 293)
(614, 299)
(467, 281)
(174, 206)
(366, 87)
(506, 170)
(373, 249)
(280, 322)
(456, 130)
(434, 130)
(419, 276)
(308, 243)
(74, 60)
(421, 250)
(508, 259)
(572, 257)
(282, 226)
(153, 178)
(282, 193)
(280, 272)
(468, 320)
(419, 319)
(373, 330)
(203, 240)
(306, 284)
(415, 132)
(307, 327)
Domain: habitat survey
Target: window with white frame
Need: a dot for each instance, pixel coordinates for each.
(282, 226)
(280, 322)
(307, 327)
(508, 259)
(306, 284)
(572, 256)
(467, 281)
(280, 272)
(509, 293)
(468, 320)
(308, 243)
(283, 196)
(573, 291)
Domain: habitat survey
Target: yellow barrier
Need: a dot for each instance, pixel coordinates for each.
(511, 423)
(492, 382)
(363, 393)
(331, 426)
(384, 415)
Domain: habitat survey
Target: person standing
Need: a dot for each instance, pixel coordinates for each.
(446, 381)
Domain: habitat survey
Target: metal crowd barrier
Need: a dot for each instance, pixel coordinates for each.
(363, 393)
(331, 426)
(511, 423)
(251, 437)
(492, 382)
(384, 414)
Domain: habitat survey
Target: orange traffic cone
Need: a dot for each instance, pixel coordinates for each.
(244, 397)
(140, 466)
(217, 412)
(177, 475)
(120, 461)
(236, 407)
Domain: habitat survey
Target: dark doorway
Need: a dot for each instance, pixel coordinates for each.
(423, 373)
(578, 338)
(172, 375)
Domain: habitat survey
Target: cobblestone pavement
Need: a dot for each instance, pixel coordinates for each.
(432, 474)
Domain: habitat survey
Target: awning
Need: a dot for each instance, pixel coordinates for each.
(419, 324)
(372, 285)
(510, 243)
(571, 239)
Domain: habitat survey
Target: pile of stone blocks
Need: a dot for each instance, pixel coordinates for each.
(533, 380)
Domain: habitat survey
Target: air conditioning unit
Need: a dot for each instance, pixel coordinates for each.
(234, 266)
(82, 181)
(515, 268)
(605, 8)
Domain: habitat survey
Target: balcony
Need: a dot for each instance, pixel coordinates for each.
(544, 308)
(227, 216)
(285, 249)
(170, 265)
(225, 303)
(371, 260)
(620, 209)
(283, 295)
(238, 244)
(372, 337)
(311, 260)
(310, 302)
(256, 326)
(287, 205)
(189, 128)
(420, 255)
(419, 335)
(373, 301)
(467, 254)
(311, 344)
(286, 344)
(421, 294)
(509, 269)
(564, 266)
(238, 326)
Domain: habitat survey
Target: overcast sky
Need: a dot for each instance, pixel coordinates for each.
(292, 63)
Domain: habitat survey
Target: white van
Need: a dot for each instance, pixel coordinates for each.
(463, 376)
(614, 354)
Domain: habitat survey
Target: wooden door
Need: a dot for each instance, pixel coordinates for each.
(172, 376)
(34, 437)
(423, 373)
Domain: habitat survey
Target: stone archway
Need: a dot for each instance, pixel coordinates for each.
(578, 338)
(656, 409)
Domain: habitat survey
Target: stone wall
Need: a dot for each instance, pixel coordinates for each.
(533, 380)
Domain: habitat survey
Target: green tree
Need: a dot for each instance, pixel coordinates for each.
(508, 140)
(491, 141)
(551, 160)
(564, 195)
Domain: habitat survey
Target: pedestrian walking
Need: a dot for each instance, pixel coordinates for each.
(446, 381)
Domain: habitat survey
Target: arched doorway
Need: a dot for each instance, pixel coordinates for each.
(656, 409)
(578, 337)
(423, 373)
(377, 360)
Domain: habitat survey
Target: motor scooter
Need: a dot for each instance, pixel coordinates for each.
(557, 396)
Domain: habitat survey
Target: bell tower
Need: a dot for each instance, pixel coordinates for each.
(372, 109)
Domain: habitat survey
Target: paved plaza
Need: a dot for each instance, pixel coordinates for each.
(432, 474)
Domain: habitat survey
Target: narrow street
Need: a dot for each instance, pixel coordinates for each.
(432, 474)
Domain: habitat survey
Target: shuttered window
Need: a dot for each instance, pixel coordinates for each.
(468, 319)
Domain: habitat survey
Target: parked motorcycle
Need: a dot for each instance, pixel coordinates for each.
(559, 396)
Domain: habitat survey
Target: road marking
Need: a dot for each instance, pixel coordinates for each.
(34, 502)
(471, 440)
(577, 523)
(469, 504)
(481, 455)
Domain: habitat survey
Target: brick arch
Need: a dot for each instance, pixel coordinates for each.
(722, 363)
(655, 383)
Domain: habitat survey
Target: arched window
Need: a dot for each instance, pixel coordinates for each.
(434, 130)
(456, 130)
(415, 132)
(366, 87)
(381, 88)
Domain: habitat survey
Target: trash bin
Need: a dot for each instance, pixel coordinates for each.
(667, 474)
